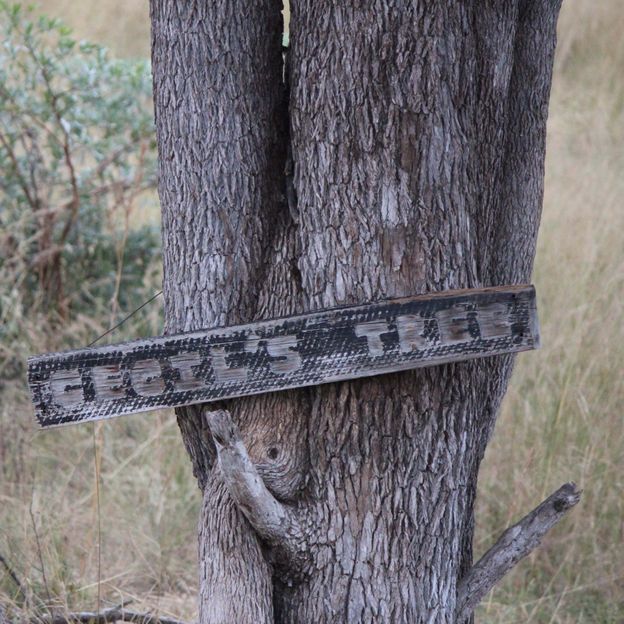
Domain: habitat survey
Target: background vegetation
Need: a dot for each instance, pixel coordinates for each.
(107, 512)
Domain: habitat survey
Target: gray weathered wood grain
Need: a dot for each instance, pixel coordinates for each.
(310, 349)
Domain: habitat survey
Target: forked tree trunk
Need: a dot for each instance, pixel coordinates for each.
(418, 137)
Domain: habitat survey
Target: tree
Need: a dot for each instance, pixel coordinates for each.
(417, 134)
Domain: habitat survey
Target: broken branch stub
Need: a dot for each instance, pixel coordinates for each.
(514, 544)
(274, 522)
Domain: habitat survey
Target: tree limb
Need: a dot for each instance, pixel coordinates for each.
(514, 544)
(274, 522)
(114, 614)
(14, 578)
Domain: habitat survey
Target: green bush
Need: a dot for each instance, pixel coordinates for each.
(78, 159)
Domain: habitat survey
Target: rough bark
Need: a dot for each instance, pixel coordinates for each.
(418, 136)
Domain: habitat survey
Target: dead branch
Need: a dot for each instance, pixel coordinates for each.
(514, 544)
(114, 614)
(14, 578)
(274, 522)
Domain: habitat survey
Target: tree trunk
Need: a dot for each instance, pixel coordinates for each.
(418, 136)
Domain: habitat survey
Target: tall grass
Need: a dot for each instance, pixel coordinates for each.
(562, 418)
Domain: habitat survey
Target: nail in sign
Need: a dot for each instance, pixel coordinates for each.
(311, 349)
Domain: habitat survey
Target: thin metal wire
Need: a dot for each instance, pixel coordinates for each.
(123, 320)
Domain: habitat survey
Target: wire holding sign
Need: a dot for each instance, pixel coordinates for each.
(320, 347)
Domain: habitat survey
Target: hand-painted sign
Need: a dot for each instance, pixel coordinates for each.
(320, 347)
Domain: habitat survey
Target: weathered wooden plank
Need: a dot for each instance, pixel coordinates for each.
(316, 348)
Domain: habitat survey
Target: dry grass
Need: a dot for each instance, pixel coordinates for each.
(562, 419)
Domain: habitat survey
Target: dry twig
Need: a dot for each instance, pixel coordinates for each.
(106, 616)
(14, 577)
(514, 544)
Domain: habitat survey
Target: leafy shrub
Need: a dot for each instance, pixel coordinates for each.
(77, 156)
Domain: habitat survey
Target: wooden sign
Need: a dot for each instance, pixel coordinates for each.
(321, 347)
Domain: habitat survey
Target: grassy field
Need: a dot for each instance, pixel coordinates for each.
(109, 511)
